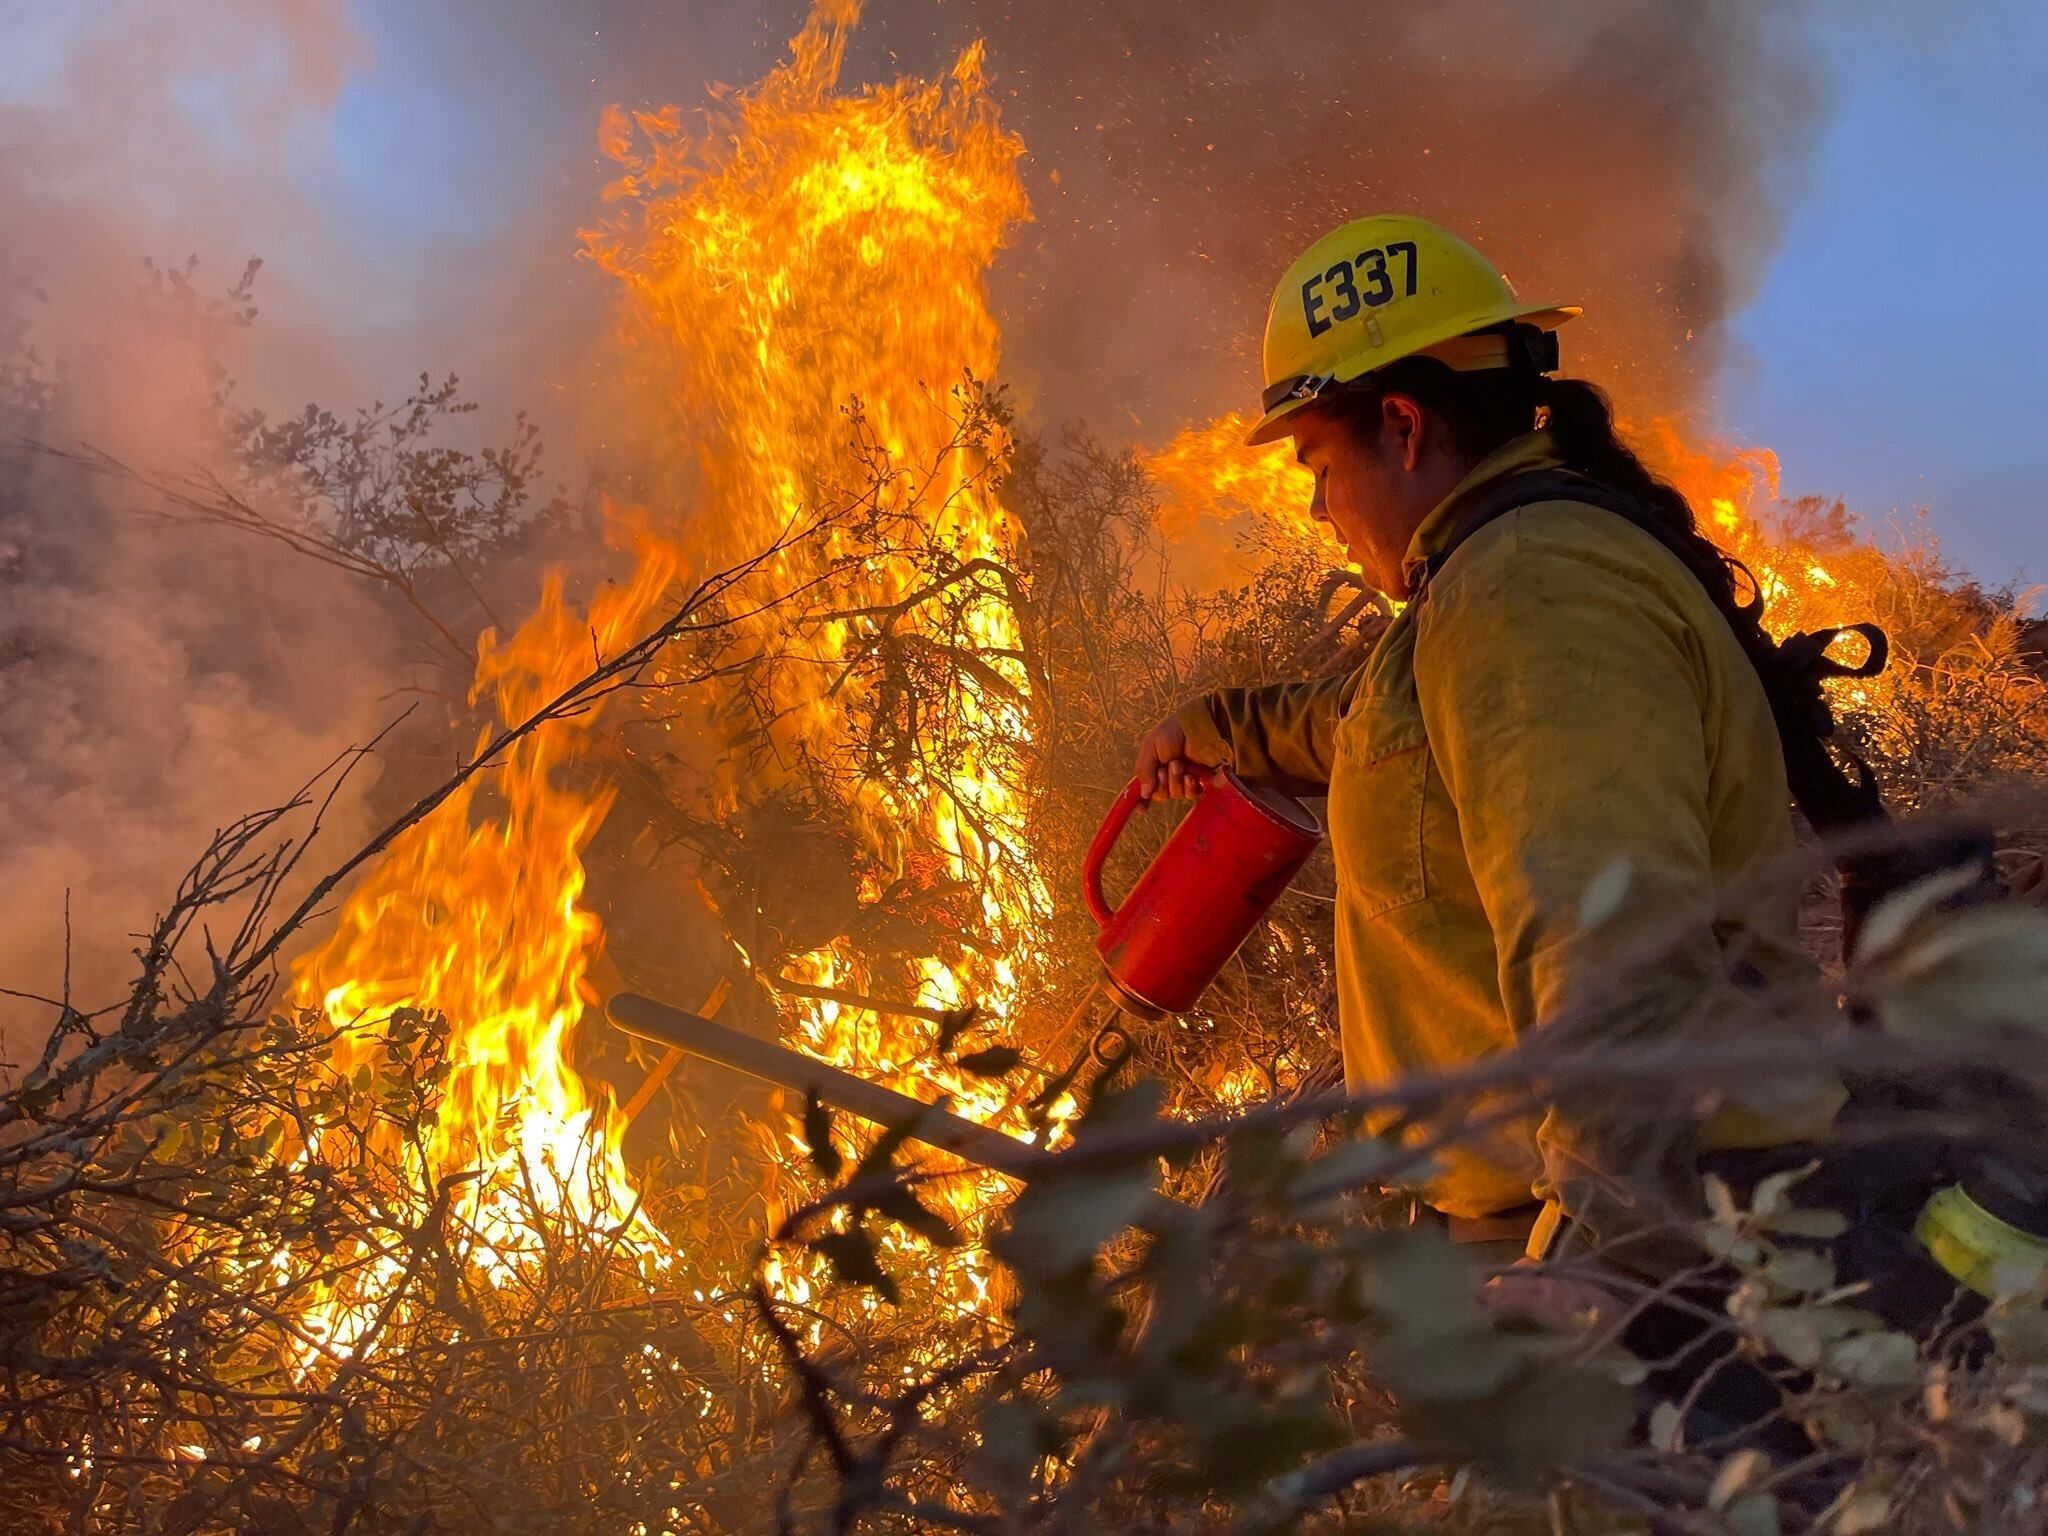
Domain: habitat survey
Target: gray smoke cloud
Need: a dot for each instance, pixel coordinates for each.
(1625, 154)
(1618, 153)
(157, 680)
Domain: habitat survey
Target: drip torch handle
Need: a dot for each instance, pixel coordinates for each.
(1132, 799)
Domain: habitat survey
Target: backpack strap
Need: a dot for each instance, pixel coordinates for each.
(1791, 671)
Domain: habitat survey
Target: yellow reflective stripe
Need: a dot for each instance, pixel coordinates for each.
(1973, 1245)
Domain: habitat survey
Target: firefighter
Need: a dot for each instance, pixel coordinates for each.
(1558, 755)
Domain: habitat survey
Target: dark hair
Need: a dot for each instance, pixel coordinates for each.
(1483, 410)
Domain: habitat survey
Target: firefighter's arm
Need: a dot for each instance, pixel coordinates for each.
(1278, 736)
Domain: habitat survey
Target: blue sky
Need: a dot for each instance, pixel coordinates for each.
(1894, 356)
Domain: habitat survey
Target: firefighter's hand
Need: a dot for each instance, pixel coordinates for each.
(1164, 767)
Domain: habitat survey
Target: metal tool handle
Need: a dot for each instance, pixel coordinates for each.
(650, 1020)
(1132, 799)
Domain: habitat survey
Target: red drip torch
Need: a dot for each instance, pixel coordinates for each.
(1200, 897)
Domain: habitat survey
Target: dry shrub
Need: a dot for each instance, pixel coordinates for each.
(1201, 1319)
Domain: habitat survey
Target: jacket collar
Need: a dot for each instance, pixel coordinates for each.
(1532, 450)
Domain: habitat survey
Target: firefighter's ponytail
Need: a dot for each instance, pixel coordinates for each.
(1486, 409)
(1580, 423)
(1835, 789)
(1837, 793)
(1483, 410)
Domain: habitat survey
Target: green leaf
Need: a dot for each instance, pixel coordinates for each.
(881, 1157)
(1013, 1435)
(1876, 1360)
(992, 1062)
(1792, 1336)
(1721, 1201)
(1667, 1428)
(1349, 1166)
(1049, 1095)
(1424, 1283)
(1841, 1420)
(1817, 1224)
(1891, 919)
(1258, 1441)
(1261, 1163)
(1542, 1420)
(1726, 1242)
(1860, 1510)
(1800, 1270)
(1984, 966)
(1074, 1329)
(1769, 1197)
(1469, 1368)
(1121, 1108)
(2021, 1334)
(818, 1137)
(1754, 1514)
(953, 1024)
(1059, 1222)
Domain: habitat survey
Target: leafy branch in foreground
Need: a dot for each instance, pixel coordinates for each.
(1225, 1323)
(236, 1291)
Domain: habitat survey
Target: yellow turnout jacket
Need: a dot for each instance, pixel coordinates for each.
(1563, 697)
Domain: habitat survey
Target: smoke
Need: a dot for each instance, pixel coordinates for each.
(1619, 153)
(1625, 154)
(157, 681)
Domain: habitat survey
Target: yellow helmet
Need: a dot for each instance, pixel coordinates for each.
(1380, 289)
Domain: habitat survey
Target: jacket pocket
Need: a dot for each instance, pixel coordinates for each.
(1377, 785)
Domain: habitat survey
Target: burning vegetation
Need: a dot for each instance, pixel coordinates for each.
(351, 1216)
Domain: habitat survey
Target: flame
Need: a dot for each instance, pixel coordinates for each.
(812, 248)
(1207, 475)
(1810, 577)
(1812, 570)
(806, 250)
(474, 914)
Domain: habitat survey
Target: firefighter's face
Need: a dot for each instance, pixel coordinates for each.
(1373, 489)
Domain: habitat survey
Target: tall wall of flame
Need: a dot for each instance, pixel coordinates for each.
(815, 248)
